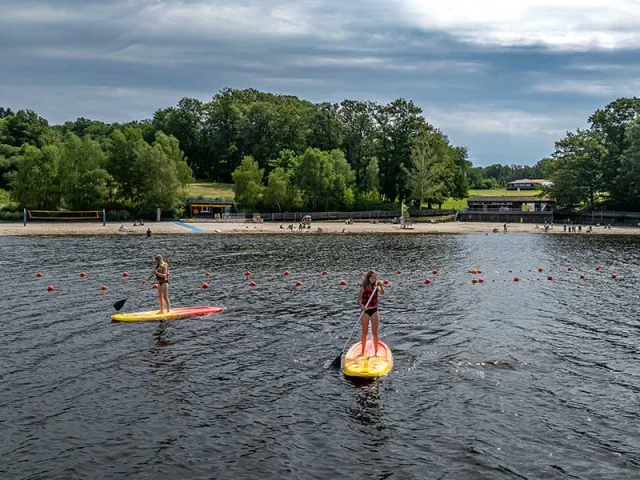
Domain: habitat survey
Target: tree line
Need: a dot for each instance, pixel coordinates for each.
(600, 166)
(309, 155)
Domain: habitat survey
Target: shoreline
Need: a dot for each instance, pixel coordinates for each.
(317, 228)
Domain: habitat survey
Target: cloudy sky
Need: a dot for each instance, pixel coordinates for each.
(503, 77)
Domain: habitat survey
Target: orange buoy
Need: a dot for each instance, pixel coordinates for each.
(549, 277)
(474, 281)
(298, 283)
(103, 287)
(286, 273)
(252, 284)
(38, 274)
(343, 282)
(207, 274)
(427, 282)
(50, 288)
(82, 274)
(155, 286)
(125, 274)
(204, 285)
(324, 272)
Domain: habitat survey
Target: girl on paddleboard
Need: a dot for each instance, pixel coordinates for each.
(368, 298)
(161, 272)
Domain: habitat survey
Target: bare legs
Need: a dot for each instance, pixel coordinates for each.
(163, 297)
(375, 322)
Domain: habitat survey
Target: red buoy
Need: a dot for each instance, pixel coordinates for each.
(539, 269)
(398, 272)
(427, 282)
(343, 282)
(516, 279)
(252, 284)
(481, 280)
(50, 288)
(82, 274)
(38, 274)
(155, 286)
(569, 269)
(549, 277)
(435, 272)
(204, 285)
(207, 274)
(103, 287)
(247, 273)
(125, 274)
(597, 269)
(298, 283)
(324, 272)
(286, 273)
(614, 276)
(581, 277)
(386, 282)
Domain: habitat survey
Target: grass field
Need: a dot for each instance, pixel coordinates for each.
(211, 190)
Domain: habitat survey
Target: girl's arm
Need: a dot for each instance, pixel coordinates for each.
(380, 288)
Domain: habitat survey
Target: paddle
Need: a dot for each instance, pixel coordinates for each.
(120, 303)
(336, 363)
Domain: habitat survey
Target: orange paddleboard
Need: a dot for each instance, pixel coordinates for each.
(367, 365)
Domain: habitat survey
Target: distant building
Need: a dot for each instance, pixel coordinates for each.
(526, 184)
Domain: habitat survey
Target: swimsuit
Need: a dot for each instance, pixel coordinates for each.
(373, 304)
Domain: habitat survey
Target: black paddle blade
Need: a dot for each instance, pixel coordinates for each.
(119, 304)
(337, 362)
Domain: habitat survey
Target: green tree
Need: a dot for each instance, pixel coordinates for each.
(278, 193)
(247, 183)
(577, 168)
(36, 183)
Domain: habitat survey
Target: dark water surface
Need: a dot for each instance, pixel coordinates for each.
(531, 379)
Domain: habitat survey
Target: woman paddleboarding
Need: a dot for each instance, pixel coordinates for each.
(369, 291)
(161, 272)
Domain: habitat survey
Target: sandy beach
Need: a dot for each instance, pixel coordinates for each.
(317, 228)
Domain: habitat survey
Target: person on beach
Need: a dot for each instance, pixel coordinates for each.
(161, 272)
(368, 298)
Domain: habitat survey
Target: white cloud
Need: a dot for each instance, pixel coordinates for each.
(559, 24)
(605, 88)
(489, 119)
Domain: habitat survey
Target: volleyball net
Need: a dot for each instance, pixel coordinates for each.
(64, 216)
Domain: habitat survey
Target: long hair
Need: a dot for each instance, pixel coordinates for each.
(366, 282)
(159, 261)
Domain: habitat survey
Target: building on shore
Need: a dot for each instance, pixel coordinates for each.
(527, 184)
(508, 209)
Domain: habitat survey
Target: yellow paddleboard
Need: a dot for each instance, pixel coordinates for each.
(174, 314)
(367, 365)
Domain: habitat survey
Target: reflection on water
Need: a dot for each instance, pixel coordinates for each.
(504, 379)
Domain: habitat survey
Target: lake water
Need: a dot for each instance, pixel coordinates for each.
(500, 380)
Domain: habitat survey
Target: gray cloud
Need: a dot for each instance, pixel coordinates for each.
(121, 60)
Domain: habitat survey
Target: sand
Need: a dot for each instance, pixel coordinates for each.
(175, 228)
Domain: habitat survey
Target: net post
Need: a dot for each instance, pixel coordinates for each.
(24, 217)
(104, 218)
